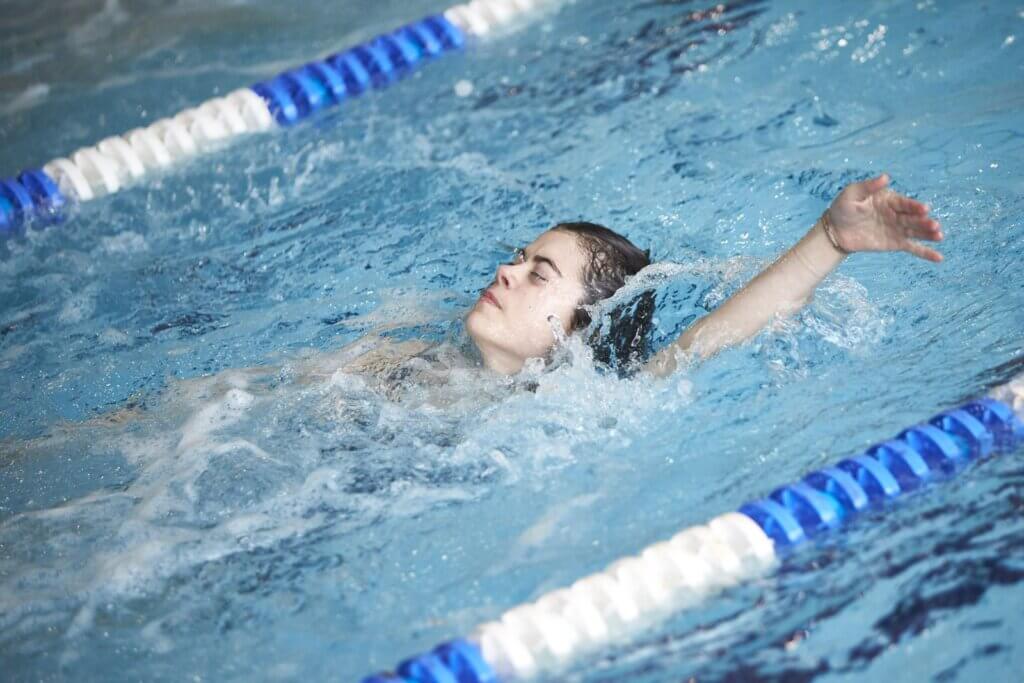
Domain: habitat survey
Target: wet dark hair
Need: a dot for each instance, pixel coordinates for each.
(609, 259)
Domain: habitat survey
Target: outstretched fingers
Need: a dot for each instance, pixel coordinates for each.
(920, 227)
(912, 216)
(921, 251)
(902, 204)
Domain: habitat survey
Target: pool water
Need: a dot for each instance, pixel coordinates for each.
(190, 489)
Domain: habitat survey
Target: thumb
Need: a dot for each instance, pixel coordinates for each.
(877, 184)
(866, 188)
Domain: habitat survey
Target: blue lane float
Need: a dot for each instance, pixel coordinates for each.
(457, 661)
(6, 215)
(285, 100)
(31, 194)
(296, 94)
(539, 638)
(940, 447)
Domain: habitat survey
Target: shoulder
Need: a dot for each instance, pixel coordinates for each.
(385, 356)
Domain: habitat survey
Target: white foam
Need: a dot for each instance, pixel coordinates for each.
(77, 307)
(842, 314)
(212, 477)
(127, 242)
(112, 337)
(1012, 393)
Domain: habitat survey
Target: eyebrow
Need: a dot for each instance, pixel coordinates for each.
(544, 259)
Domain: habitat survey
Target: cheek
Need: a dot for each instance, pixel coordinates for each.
(528, 327)
(566, 305)
(559, 302)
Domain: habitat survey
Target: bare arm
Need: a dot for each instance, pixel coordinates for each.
(371, 356)
(865, 217)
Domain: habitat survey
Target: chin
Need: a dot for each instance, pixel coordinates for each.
(490, 339)
(477, 327)
(472, 321)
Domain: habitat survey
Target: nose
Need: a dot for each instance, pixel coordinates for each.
(506, 276)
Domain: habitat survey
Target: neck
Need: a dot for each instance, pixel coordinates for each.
(498, 360)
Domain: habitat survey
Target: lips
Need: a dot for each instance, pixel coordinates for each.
(490, 298)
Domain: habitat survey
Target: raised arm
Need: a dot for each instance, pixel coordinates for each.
(864, 217)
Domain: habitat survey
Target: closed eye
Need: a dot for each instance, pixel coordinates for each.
(520, 257)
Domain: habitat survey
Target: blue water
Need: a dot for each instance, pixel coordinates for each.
(167, 515)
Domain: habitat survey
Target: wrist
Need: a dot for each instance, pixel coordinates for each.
(815, 252)
(829, 228)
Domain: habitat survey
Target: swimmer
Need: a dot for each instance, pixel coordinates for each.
(574, 265)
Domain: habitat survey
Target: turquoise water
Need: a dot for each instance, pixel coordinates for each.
(294, 523)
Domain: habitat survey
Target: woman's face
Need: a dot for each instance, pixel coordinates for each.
(509, 323)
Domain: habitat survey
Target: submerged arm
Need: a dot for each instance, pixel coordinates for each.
(864, 217)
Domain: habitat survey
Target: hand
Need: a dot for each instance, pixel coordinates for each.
(868, 217)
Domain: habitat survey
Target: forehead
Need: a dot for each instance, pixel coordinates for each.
(562, 248)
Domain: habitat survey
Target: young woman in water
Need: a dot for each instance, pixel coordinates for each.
(574, 265)
(551, 283)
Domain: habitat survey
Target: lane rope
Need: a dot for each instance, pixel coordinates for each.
(283, 100)
(546, 635)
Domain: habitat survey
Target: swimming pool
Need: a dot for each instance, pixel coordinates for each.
(316, 530)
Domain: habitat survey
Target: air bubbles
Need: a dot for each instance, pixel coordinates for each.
(874, 44)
